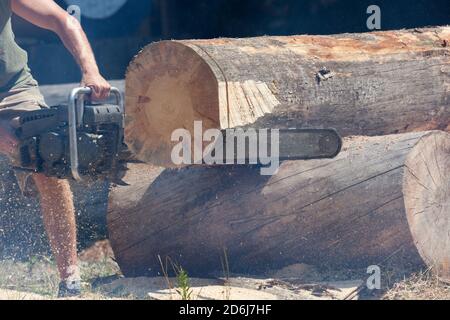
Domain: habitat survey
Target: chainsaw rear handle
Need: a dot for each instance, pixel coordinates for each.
(75, 109)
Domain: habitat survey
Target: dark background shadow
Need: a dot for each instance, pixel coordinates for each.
(118, 36)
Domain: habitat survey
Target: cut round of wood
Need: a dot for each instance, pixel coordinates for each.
(427, 184)
(360, 84)
(379, 197)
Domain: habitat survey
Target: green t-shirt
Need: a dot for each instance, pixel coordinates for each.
(13, 60)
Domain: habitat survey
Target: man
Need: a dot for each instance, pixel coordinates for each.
(19, 93)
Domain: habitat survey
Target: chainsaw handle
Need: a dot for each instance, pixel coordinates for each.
(75, 109)
(87, 91)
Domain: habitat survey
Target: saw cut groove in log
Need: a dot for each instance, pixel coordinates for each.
(379, 196)
(360, 84)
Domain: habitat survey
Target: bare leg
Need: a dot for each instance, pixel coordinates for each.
(59, 221)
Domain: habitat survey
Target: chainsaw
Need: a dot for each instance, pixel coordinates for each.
(80, 140)
(83, 140)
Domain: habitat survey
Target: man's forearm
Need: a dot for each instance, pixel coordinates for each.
(72, 35)
(75, 40)
(48, 15)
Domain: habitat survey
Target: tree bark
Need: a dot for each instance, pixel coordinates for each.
(361, 84)
(380, 196)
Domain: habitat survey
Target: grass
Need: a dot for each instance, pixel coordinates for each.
(226, 272)
(183, 282)
(184, 287)
(420, 286)
(39, 276)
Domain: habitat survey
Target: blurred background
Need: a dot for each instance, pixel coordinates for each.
(119, 28)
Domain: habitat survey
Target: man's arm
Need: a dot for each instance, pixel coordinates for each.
(48, 15)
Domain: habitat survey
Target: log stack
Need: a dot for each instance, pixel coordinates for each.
(388, 93)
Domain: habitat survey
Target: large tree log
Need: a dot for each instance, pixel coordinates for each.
(379, 196)
(361, 84)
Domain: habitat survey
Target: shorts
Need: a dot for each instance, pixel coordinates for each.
(13, 103)
(18, 100)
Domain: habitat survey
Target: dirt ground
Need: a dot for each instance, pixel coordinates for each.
(37, 279)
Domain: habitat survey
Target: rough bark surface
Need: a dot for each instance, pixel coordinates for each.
(380, 196)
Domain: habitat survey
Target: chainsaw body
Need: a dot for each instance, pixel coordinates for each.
(80, 140)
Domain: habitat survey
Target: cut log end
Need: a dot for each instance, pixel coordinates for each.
(360, 84)
(168, 87)
(427, 200)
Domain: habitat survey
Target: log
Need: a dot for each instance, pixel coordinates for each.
(379, 197)
(360, 84)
